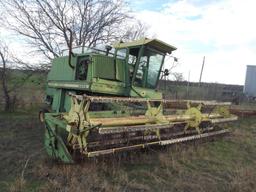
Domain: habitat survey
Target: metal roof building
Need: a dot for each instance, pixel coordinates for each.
(250, 81)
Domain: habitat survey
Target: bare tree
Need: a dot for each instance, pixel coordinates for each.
(135, 31)
(3, 76)
(45, 23)
(177, 76)
(7, 62)
(168, 72)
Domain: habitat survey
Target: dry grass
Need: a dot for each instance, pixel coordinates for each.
(18, 185)
(228, 164)
(87, 176)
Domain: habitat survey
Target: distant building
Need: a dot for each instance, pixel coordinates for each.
(250, 81)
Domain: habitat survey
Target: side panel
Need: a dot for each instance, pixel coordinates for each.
(104, 67)
(108, 87)
(120, 70)
(60, 69)
(145, 93)
(56, 99)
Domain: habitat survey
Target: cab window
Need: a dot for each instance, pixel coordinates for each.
(132, 60)
(148, 69)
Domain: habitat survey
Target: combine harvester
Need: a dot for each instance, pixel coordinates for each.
(103, 102)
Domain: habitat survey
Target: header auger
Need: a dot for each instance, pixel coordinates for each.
(107, 103)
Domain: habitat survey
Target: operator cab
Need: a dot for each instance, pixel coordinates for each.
(131, 69)
(145, 58)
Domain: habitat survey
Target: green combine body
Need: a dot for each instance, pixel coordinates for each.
(132, 70)
(87, 92)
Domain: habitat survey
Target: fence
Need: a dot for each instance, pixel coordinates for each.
(202, 91)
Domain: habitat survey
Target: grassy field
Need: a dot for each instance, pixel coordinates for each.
(29, 93)
(227, 164)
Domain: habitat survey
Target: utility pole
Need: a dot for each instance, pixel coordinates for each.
(188, 84)
(202, 69)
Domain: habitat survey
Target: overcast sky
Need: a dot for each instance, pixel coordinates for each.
(222, 30)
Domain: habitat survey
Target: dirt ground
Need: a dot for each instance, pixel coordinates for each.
(227, 164)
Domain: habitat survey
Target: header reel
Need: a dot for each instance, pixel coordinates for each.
(91, 135)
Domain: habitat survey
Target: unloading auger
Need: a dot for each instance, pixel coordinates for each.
(103, 102)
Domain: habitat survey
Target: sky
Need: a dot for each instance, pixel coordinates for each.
(221, 30)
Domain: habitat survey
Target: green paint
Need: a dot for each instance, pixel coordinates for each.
(132, 71)
(54, 144)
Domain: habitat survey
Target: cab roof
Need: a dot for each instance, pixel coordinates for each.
(157, 44)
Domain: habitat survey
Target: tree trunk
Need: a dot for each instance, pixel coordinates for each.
(7, 103)
(7, 99)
